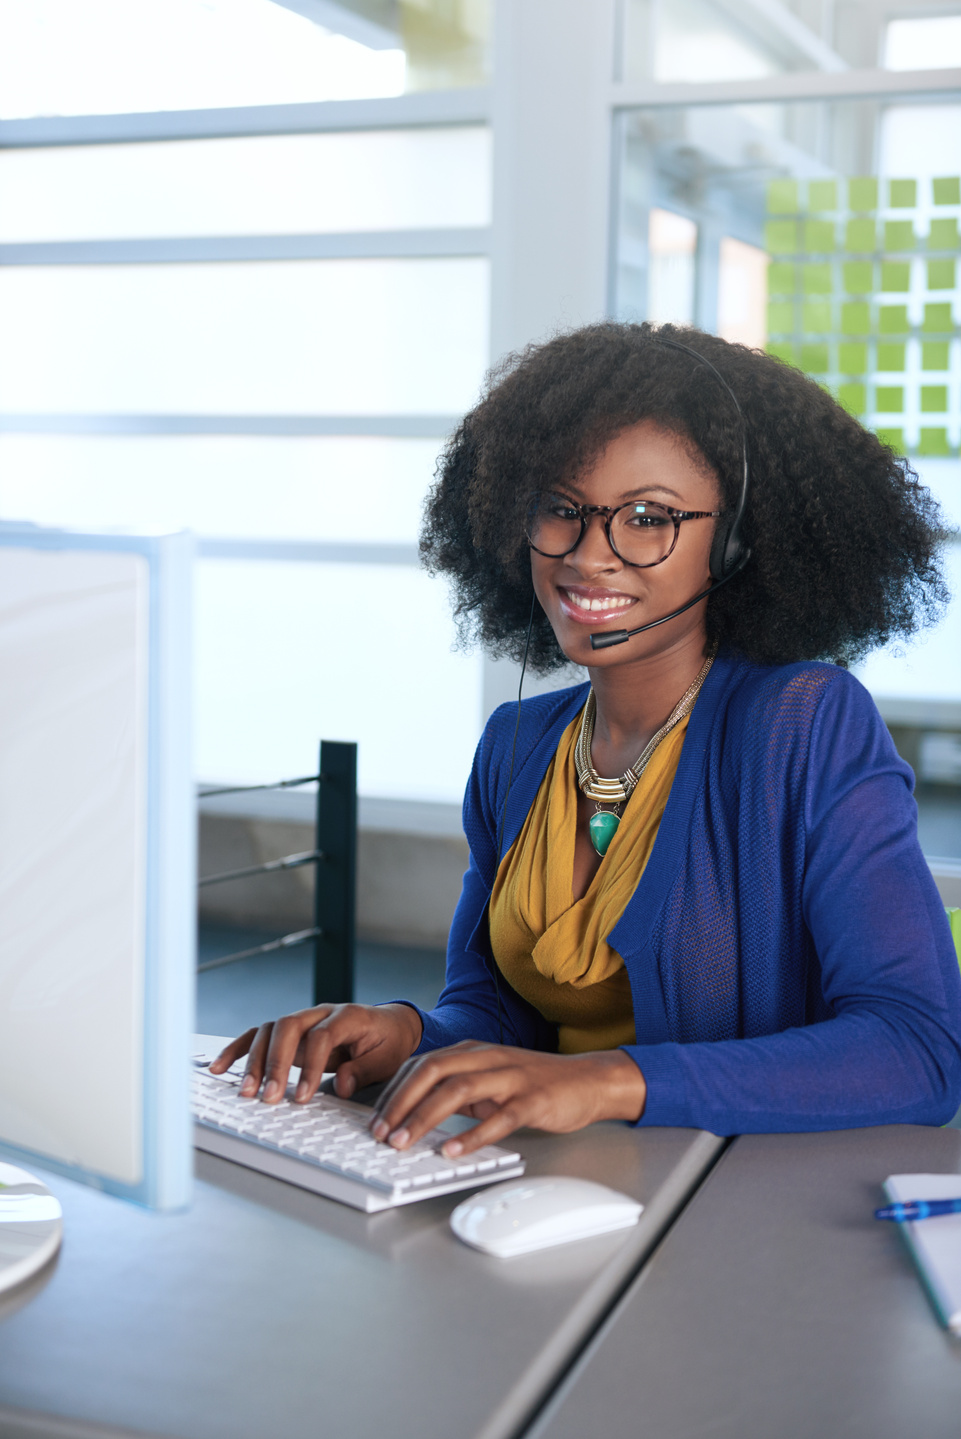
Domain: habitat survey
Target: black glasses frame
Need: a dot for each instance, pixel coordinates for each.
(586, 512)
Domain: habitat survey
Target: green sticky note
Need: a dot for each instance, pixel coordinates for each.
(860, 236)
(816, 279)
(893, 320)
(863, 193)
(781, 350)
(890, 356)
(934, 399)
(818, 237)
(816, 317)
(858, 277)
(822, 195)
(898, 235)
(781, 237)
(856, 318)
(893, 438)
(943, 234)
(937, 319)
(889, 399)
(933, 440)
(946, 190)
(853, 398)
(782, 197)
(852, 358)
(815, 359)
(781, 278)
(780, 317)
(903, 194)
(940, 274)
(934, 355)
(895, 275)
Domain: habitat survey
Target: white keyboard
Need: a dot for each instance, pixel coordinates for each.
(325, 1146)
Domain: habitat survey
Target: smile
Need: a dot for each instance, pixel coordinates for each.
(595, 605)
(593, 609)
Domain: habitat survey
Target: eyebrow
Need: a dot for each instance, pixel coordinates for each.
(637, 493)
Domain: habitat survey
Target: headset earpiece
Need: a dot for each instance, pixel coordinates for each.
(729, 553)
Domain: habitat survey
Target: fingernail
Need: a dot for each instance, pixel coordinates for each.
(346, 1086)
(301, 1094)
(271, 1090)
(452, 1148)
(249, 1086)
(380, 1129)
(399, 1138)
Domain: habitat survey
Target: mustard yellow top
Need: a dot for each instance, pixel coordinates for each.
(553, 950)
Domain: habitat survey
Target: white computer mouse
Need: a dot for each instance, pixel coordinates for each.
(527, 1214)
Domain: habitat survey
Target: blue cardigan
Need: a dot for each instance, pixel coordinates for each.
(790, 961)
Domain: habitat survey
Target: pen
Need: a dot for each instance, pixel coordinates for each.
(919, 1209)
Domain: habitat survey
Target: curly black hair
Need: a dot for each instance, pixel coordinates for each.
(844, 539)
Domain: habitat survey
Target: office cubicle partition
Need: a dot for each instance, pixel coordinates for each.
(97, 858)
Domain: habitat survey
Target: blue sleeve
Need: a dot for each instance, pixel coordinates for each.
(472, 1006)
(891, 1052)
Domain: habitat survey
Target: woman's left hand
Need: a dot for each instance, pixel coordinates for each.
(505, 1088)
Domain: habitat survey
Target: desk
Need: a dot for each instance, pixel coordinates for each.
(267, 1311)
(777, 1306)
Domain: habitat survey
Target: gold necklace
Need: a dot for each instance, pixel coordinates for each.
(604, 822)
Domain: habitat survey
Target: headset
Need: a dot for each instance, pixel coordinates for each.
(729, 554)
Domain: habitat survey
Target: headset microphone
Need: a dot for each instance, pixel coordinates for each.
(605, 639)
(729, 552)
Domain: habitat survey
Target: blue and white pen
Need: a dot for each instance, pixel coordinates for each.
(919, 1209)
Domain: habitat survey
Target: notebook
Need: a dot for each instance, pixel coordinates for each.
(935, 1243)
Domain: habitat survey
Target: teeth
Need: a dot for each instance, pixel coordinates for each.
(583, 603)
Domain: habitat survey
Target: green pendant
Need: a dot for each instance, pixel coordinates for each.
(603, 827)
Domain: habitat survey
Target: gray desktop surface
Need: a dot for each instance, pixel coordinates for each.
(778, 1306)
(267, 1310)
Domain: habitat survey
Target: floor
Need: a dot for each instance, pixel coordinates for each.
(231, 999)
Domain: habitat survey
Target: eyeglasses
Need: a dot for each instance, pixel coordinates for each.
(640, 533)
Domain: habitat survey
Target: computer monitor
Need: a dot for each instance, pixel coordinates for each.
(97, 859)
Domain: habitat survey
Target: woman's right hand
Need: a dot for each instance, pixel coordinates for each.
(363, 1043)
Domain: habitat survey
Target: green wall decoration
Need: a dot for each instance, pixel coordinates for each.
(861, 296)
(890, 356)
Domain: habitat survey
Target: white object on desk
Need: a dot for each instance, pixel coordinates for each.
(31, 1225)
(934, 1243)
(534, 1214)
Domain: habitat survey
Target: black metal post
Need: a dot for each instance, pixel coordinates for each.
(335, 889)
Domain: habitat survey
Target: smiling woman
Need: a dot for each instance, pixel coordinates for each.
(695, 895)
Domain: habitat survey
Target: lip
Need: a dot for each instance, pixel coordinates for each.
(593, 618)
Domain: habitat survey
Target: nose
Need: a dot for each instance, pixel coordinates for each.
(593, 552)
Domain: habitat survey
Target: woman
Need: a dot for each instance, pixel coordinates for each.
(779, 959)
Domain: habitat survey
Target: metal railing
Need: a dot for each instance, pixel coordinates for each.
(334, 858)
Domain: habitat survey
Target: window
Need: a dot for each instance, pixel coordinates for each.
(116, 56)
(227, 332)
(672, 241)
(927, 42)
